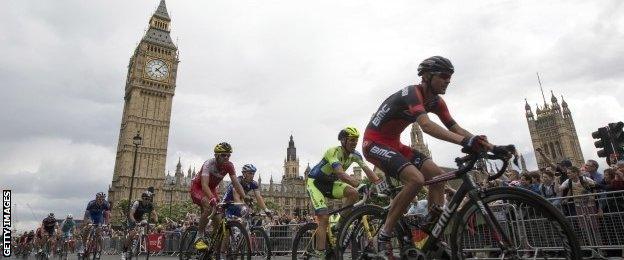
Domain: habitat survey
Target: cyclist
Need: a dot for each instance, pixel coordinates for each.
(328, 180)
(138, 209)
(383, 148)
(203, 189)
(249, 185)
(98, 212)
(48, 227)
(68, 227)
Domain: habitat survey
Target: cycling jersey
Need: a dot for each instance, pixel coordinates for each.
(247, 187)
(322, 182)
(68, 225)
(96, 211)
(215, 176)
(382, 145)
(400, 110)
(334, 157)
(141, 209)
(48, 224)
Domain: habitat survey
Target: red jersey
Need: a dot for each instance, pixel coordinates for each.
(215, 173)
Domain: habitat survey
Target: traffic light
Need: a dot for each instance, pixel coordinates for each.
(617, 137)
(604, 142)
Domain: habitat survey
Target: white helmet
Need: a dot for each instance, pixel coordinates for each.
(70, 216)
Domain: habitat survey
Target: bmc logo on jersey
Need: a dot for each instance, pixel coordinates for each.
(381, 114)
(382, 152)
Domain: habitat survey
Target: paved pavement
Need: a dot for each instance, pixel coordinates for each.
(117, 257)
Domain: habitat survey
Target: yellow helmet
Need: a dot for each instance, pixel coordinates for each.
(349, 131)
(223, 148)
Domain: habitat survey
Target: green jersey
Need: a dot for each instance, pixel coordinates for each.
(333, 157)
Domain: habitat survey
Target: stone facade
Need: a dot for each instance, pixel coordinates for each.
(149, 90)
(552, 129)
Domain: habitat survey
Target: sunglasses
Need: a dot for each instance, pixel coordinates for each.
(442, 75)
(224, 155)
(250, 172)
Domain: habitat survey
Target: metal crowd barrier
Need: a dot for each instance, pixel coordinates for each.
(597, 220)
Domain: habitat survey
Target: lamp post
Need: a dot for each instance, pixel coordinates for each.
(136, 140)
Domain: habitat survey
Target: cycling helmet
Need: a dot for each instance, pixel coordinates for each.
(349, 131)
(223, 148)
(51, 215)
(146, 194)
(70, 216)
(100, 195)
(249, 168)
(435, 64)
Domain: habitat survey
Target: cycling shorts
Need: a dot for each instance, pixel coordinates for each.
(320, 190)
(392, 159)
(49, 230)
(197, 194)
(98, 219)
(233, 211)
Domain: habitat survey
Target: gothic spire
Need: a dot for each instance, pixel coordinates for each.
(526, 105)
(553, 99)
(161, 11)
(563, 103)
(291, 152)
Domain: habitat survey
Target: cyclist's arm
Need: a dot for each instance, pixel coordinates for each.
(236, 184)
(460, 131)
(340, 173)
(369, 173)
(86, 218)
(259, 199)
(205, 187)
(435, 130)
(155, 216)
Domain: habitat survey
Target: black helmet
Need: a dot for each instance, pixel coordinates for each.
(435, 64)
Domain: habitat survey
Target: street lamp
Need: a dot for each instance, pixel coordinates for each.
(136, 140)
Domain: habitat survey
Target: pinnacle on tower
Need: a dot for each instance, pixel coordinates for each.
(526, 105)
(553, 99)
(161, 11)
(563, 103)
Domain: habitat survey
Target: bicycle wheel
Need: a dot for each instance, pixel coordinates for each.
(135, 247)
(534, 228)
(237, 243)
(303, 243)
(186, 249)
(260, 243)
(357, 231)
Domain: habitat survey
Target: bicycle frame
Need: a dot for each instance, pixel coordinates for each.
(474, 192)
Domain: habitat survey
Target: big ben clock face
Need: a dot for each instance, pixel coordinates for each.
(157, 69)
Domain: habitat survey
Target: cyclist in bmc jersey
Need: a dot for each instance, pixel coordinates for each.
(98, 211)
(328, 180)
(382, 146)
(204, 187)
(249, 185)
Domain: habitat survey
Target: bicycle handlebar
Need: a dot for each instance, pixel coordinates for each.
(502, 153)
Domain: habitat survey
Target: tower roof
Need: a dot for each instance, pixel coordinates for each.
(161, 11)
(156, 35)
(526, 105)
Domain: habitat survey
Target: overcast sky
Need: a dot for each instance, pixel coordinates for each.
(253, 73)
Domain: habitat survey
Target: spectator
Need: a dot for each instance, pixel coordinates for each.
(591, 171)
(526, 182)
(578, 185)
(549, 188)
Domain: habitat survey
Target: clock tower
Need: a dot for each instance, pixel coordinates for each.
(149, 90)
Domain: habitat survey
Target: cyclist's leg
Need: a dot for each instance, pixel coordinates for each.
(320, 210)
(342, 190)
(429, 169)
(395, 164)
